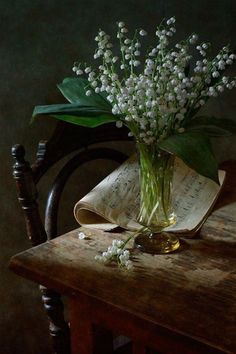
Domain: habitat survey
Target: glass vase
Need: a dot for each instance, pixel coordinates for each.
(156, 169)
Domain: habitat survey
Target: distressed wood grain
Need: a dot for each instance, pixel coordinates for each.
(191, 292)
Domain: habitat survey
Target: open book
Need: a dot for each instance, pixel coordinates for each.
(115, 201)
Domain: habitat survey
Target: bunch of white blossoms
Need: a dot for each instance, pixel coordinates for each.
(117, 253)
(155, 102)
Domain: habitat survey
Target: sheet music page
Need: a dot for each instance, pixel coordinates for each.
(193, 196)
(115, 200)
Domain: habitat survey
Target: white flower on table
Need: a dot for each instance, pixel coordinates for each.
(81, 235)
(117, 253)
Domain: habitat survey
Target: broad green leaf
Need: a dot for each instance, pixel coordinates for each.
(74, 90)
(75, 109)
(74, 113)
(89, 122)
(195, 150)
(212, 126)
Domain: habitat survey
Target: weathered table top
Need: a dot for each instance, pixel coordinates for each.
(192, 291)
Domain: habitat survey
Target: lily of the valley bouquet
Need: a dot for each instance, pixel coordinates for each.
(158, 97)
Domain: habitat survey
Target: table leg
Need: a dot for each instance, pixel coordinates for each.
(80, 329)
(87, 338)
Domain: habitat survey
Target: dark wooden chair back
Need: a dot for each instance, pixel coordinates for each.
(66, 139)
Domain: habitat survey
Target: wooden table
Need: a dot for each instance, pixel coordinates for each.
(183, 302)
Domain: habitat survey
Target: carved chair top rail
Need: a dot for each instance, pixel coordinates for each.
(61, 179)
(68, 138)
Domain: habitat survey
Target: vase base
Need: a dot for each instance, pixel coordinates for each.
(157, 243)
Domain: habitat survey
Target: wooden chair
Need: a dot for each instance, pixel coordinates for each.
(181, 303)
(65, 140)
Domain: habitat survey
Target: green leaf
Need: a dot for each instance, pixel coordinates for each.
(212, 126)
(75, 113)
(74, 90)
(89, 122)
(70, 109)
(195, 150)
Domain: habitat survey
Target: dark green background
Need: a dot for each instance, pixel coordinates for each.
(39, 41)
